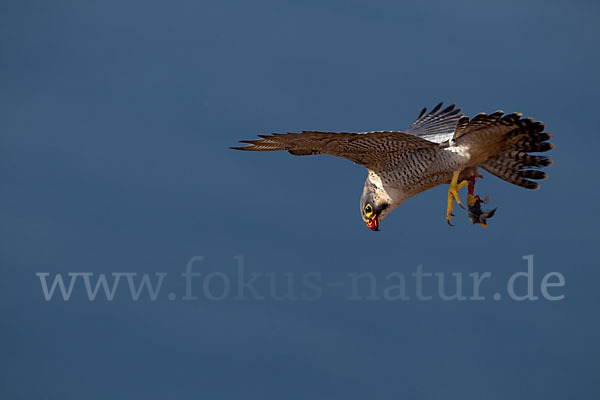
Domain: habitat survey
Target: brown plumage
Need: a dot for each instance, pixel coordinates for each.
(438, 145)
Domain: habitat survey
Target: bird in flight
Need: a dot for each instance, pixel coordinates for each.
(439, 147)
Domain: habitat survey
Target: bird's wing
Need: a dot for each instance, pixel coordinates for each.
(373, 150)
(494, 121)
(436, 126)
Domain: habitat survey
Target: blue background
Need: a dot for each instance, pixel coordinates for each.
(115, 121)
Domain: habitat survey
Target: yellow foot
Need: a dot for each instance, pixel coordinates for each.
(470, 200)
(480, 223)
(453, 195)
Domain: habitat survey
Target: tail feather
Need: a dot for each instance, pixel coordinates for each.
(520, 159)
(502, 168)
(515, 164)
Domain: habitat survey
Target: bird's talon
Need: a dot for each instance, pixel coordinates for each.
(453, 195)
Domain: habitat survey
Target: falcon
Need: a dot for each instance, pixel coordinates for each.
(439, 147)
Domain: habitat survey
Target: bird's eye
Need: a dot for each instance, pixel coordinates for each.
(368, 211)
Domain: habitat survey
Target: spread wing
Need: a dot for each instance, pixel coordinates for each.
(490, 123)
(436, 126)
(373, 150)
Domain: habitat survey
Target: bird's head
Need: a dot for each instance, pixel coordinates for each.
(374, 205)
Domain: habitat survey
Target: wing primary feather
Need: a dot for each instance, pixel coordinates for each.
(448, 109)
(436, 126)
(435, 109)
(374, 150)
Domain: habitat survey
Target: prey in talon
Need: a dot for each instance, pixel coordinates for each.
(474, 202)
(476, 214)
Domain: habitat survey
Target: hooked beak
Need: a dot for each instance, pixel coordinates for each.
(373, 223)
